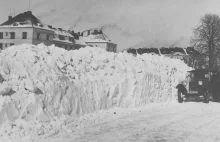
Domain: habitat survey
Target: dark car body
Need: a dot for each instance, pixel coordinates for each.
(199, 85)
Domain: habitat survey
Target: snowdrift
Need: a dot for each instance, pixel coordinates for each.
(39, 83)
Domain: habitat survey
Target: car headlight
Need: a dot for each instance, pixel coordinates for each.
(200, 82)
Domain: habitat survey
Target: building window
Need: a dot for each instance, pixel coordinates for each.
(48, 37)
(6, 34)
(6, 45)
(61, 37)
(71, 39)
(12, 35)
(1, 46)
(11, 44)
(24, 35)
(38, 36)
(1, 35)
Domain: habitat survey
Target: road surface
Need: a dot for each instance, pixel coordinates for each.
(191, 121)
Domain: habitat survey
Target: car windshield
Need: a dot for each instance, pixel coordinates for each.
(199, 75)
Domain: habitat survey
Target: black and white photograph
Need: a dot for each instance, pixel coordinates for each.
(109, 71)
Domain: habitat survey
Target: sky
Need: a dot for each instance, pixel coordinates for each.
(129, 23)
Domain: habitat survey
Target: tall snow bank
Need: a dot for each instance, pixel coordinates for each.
(41, 83)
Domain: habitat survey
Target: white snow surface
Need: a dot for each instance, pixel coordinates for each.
(45, 87)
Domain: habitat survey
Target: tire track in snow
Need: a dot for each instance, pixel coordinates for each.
(125, 125)
(172, 122)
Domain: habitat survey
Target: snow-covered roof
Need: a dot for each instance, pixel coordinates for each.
(27, 26)
(65, 41)
(93, 35)
(99, 36)
(92, 29)
(23, 17)
(90, 39)
(62, 32)
(26, 19)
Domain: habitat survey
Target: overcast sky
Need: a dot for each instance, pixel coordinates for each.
(153, 23)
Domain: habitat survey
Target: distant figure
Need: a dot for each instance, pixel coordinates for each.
(215, 86)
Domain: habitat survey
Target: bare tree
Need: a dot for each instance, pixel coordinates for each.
(207, 37)
(196, 60)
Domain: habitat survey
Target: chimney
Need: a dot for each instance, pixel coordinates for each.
(9, 17)
(29, 12)
(88, 32)
(50, 26)
(72, 32)
(96, 32)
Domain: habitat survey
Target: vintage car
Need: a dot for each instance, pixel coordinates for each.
(197, 86)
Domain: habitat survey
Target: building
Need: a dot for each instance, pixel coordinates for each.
(63, 38)
(107, 45)
(96, 38)
(24, 28)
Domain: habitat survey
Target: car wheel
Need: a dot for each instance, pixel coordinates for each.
(180, 99)
(206, 97)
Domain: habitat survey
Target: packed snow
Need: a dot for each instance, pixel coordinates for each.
(170, 122)
(45, 90)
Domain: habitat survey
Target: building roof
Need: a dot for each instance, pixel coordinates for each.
(96, 35)
(26, 19)
(89, 39)
(62, 32)
(95, 38)
(23, 17)
(63, 41)
(99, 36)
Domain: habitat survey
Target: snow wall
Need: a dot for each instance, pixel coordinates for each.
(40, 82)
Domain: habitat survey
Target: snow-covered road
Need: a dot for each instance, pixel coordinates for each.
(189, 121)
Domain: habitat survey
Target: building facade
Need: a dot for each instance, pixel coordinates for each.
(42, 36)
(18, 35)
(108, 46)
